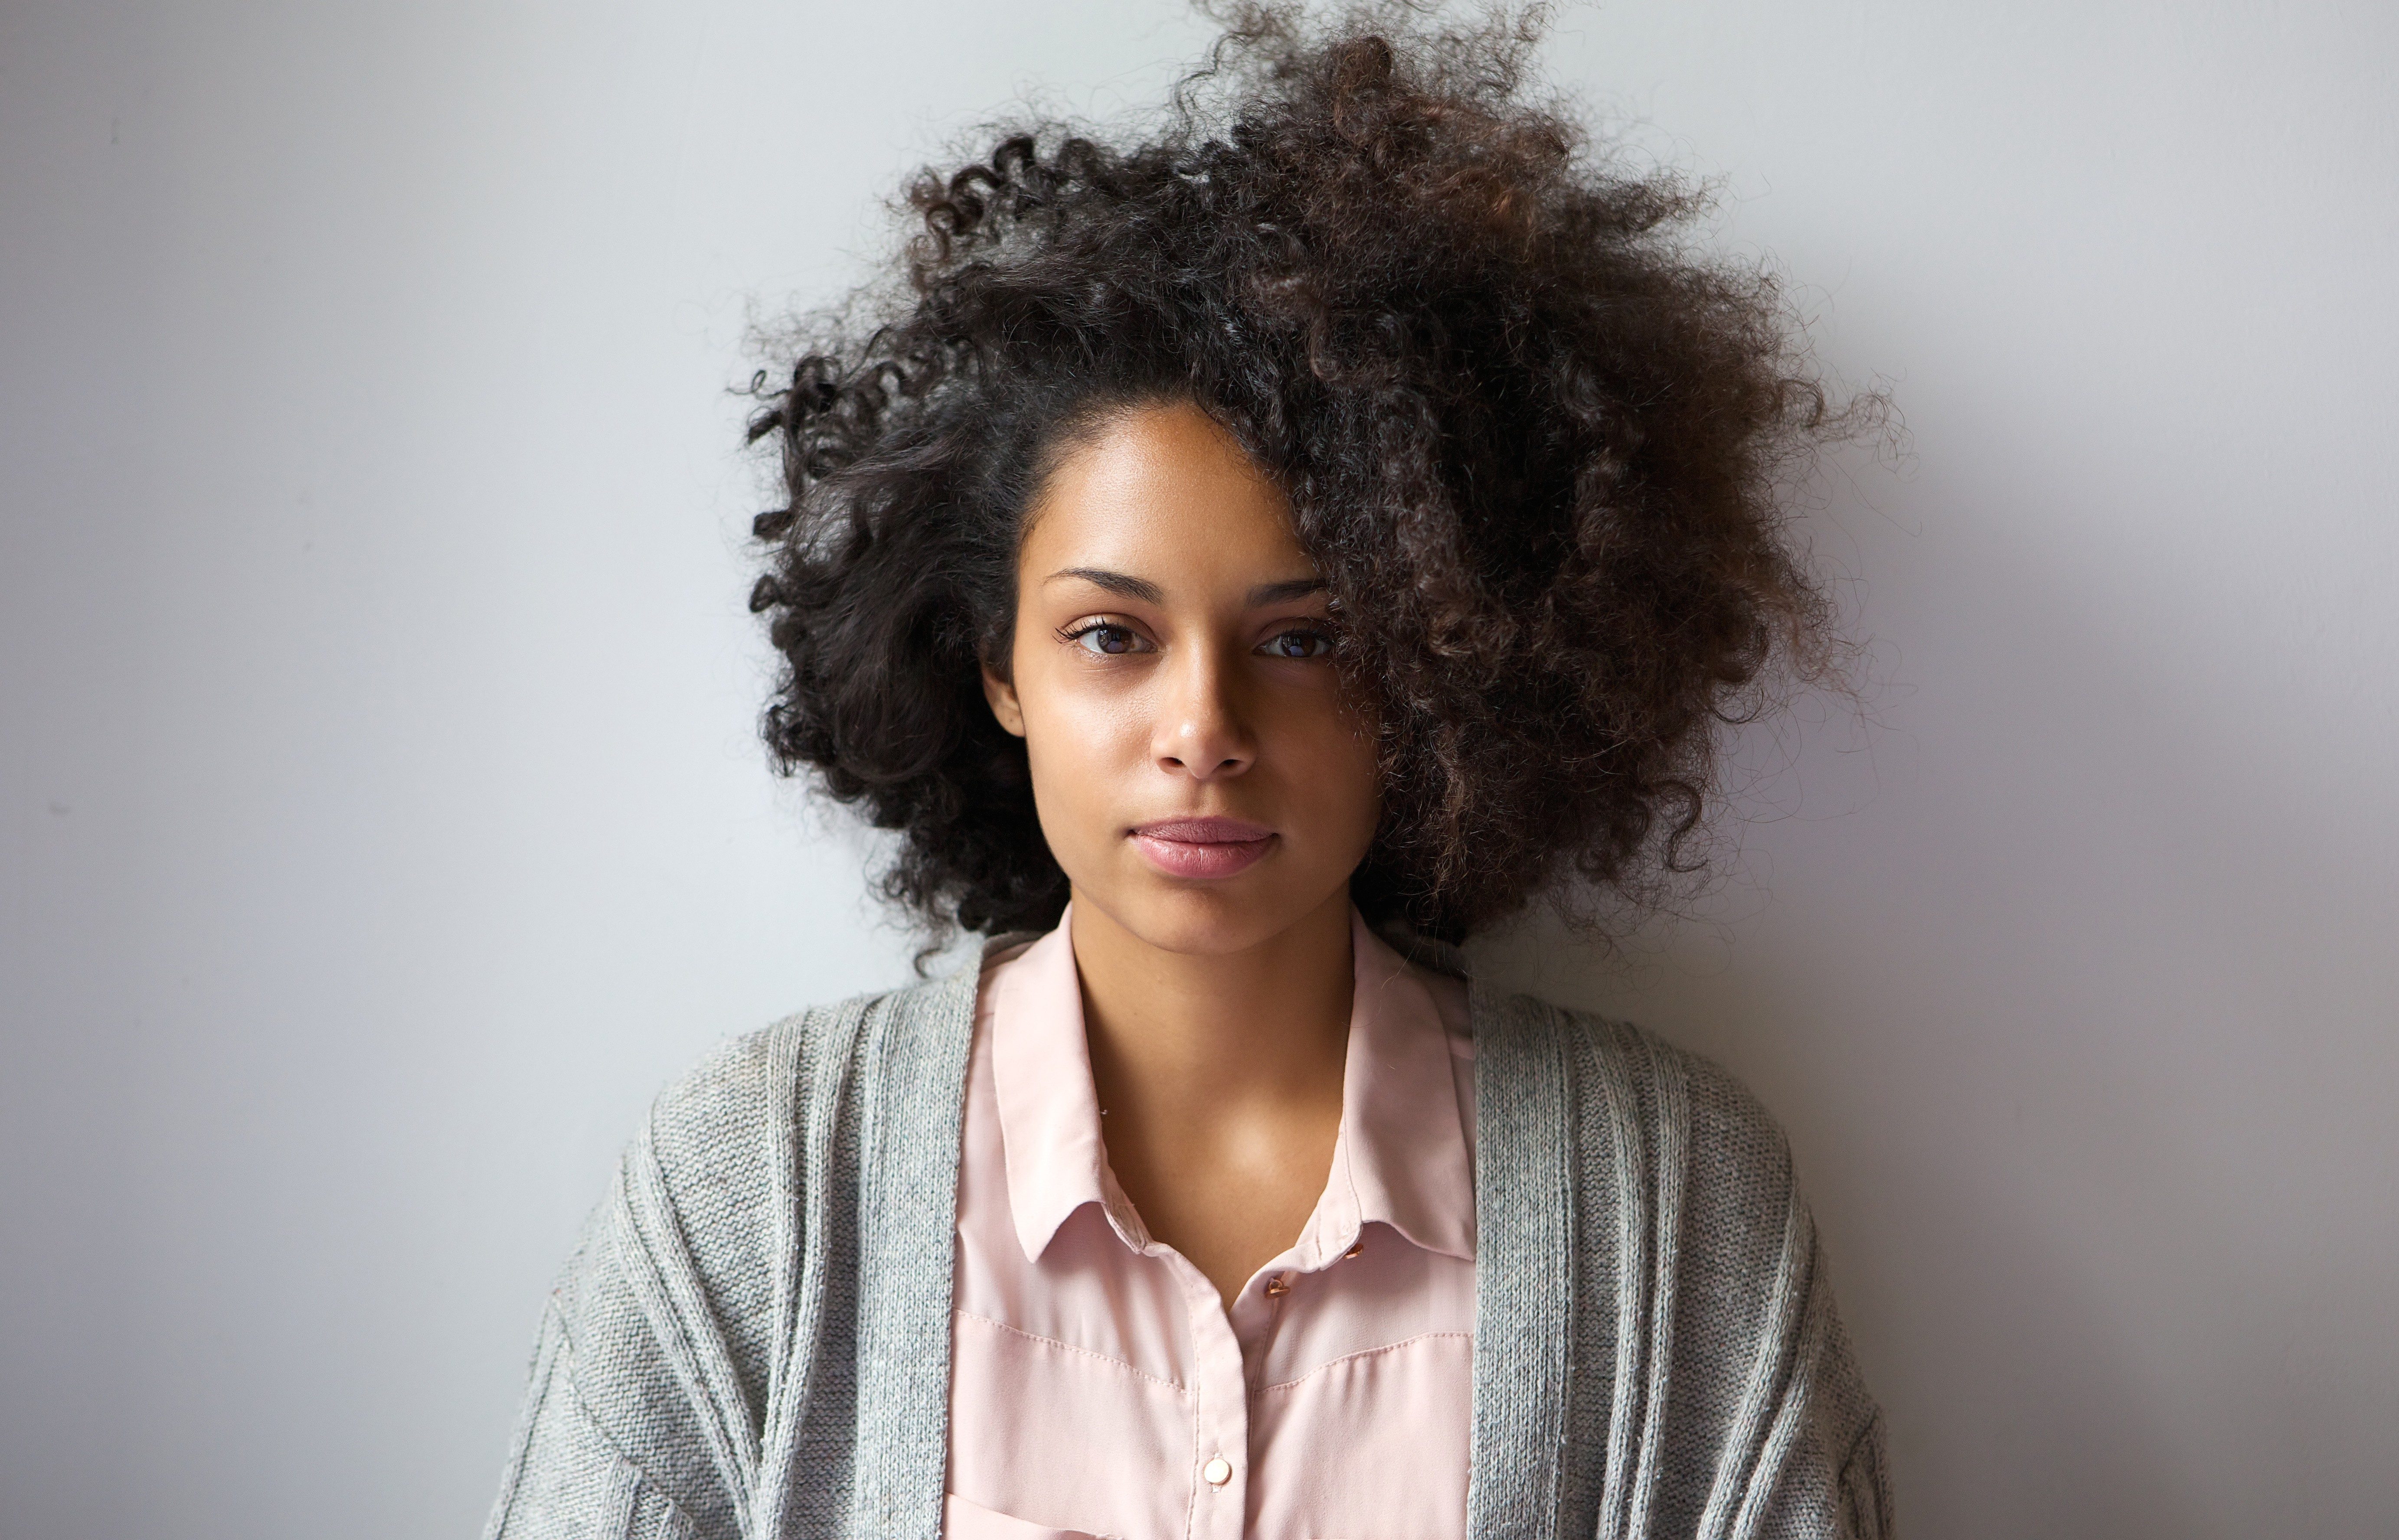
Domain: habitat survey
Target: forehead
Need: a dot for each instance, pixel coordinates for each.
(1162, 492)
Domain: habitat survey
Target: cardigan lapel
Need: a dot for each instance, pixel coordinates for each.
(911, 1088)
(1524, 1273)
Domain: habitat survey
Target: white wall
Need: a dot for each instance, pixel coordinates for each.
(382, 822)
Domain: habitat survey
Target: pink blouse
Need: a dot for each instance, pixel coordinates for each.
(1098, 1385)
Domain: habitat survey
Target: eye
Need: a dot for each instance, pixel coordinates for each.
(1300, 642)
(1104, 637)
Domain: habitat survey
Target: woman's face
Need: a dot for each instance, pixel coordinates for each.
(1199, 772)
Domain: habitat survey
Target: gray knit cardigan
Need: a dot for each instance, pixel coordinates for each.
(754, 1337)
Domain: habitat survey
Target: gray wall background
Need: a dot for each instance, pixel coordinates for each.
(382, 823)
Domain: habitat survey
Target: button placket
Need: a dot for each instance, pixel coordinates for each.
(1221, 1431)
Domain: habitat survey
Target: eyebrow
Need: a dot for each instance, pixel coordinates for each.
(1290, 589)
(1130, 586)
(1122, 584)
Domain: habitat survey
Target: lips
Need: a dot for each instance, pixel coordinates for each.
(1202, 848)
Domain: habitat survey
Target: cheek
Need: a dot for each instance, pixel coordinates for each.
(1335, 770)
(1079, 743)
(1074, 720)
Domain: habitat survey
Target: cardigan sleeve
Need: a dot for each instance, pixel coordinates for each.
(566, 1479)
(1672, 1334)
(1773, 1405)
(752, 1339)
(642, 1411)
(1830, 1480)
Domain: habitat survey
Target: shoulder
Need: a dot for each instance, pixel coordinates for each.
(1608, 1079)
(718, 1134)
(1657, 1150)
(1616, 1081)
(744, 1126)
(755, 1089)
(668, 1304)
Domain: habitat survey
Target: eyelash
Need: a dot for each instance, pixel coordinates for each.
(1315, 633)
(1074, 634)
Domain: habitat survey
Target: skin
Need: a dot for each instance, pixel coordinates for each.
(1172, 662)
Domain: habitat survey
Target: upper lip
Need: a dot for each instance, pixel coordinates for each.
(1208, 831)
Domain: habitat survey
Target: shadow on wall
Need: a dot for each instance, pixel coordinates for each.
(2075, 1050)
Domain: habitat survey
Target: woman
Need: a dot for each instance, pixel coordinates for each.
(1238, 566)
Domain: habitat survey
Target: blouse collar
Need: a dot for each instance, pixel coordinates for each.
(1401, 1155)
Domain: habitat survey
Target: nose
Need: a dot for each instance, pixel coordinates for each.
(1201, 730)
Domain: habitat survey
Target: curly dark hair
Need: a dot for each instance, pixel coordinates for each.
(1532, 440)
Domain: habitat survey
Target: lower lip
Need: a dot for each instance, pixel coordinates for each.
(1188, 859)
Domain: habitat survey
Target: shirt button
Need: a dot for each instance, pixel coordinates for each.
(1358, 1250)
(1217, 1471)
(1278, 1286)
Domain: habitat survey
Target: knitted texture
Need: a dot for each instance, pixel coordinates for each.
(752, 1339)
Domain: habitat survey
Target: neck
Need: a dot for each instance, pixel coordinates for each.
(1207, 1035)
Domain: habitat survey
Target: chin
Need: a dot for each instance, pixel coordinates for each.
(1204, 923)
(1203, 919)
